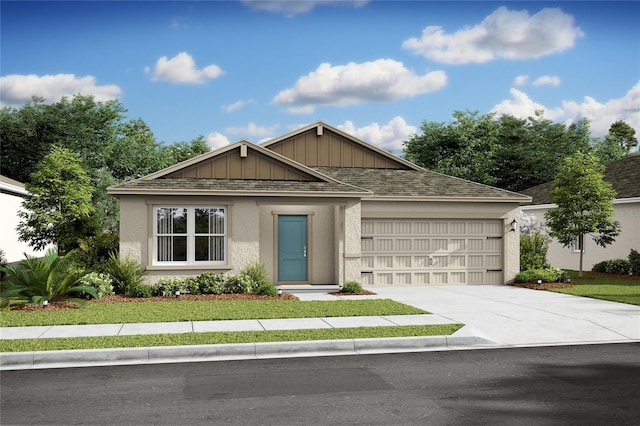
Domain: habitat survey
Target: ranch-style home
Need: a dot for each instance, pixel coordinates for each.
(319, 206)
(624, 176)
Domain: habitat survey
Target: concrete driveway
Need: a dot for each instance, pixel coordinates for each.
(513, 316)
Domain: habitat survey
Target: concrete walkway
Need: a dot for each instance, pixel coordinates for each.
(494, 316)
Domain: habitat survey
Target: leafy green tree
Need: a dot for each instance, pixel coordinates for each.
(182, 151)
(585, 203)
(58, 208)
(36, 280)
(463, 147)
(624, 135)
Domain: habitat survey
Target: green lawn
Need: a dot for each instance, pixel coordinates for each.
(186, 310)
(605, 287)
(224, 337)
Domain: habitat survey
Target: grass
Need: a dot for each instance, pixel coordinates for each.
(26, 345)
(205, 310)
(604, 287)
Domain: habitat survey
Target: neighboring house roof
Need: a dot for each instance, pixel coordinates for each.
(10, 186)
(317, 161)
(623, 175)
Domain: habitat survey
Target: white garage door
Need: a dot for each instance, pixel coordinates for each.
(435, 252)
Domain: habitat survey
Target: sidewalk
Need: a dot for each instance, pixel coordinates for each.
(494, 316)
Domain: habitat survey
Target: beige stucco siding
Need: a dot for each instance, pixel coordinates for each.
(627, 212)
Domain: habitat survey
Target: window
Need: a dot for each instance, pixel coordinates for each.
(578, 244)
(189, 235)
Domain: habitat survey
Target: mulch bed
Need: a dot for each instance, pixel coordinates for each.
(65, 305)
(363, 293)
(543, 286)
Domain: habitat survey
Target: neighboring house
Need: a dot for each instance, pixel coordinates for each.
(624, 176)
(11, 195)
(319, 206)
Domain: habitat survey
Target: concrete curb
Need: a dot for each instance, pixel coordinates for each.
(242, 351)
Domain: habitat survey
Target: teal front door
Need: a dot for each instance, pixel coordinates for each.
(292, 248)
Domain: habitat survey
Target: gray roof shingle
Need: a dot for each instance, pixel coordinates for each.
(623, 175)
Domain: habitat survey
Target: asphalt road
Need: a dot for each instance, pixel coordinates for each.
(568, 385)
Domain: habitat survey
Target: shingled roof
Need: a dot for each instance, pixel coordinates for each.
(623, 175)
(417, 184)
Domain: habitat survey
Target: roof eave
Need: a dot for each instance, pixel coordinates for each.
(236, 193)
(519, 200)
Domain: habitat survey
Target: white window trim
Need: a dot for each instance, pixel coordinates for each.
(190, 235)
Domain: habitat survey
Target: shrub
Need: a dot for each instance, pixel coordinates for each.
(547, 275)
(533, 251)
(36, 280)
(634, 262)
(210, 283)
(613, 266)
(167, 287)
(3, 263)
(140, 290)
(240, 283)
(351, 287)
(125, 273)
(94, 252)
(102, 283)
(191, 285)
(258, 273)
(267, 289)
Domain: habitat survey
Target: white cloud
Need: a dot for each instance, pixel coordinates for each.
(291, 8)
(521, 80)
(182, 69)
(380, 80)
(600, 115)
(506, 34)
(17, 89)
(252, 129)
(217, 140)
(237, 105)
(387, 136)
(547, 80)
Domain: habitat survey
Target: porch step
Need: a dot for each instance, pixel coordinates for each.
(308, 288)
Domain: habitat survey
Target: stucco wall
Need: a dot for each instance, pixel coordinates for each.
(627, 212)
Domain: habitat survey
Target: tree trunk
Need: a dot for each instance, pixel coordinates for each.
(581, 243)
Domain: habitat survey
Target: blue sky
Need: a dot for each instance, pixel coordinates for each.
(231, 70)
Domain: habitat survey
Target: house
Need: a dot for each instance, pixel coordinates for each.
(12, 193)
(624, 176)
(319, 206)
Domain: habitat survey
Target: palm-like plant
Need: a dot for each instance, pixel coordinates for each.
(35, 280)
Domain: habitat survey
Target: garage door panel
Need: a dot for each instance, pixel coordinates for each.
(420, 252)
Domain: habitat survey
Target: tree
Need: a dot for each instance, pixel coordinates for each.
(585, 204)
(58, 209)
(462, 147)
(624, 135)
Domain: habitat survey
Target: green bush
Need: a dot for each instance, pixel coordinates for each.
(258, 273)
(351, 287)
(140, 290)
(547, 275)
(125, 273)
(240, 284)
(167, 287)
(191, 285)
(102, 283)
(613, 266)
(36, 280)
(94, 252)
(533, 251)
(634, 262)
(267, 289)
(210, 283)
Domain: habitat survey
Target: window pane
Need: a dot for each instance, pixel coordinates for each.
(179, 249)
(217, 225)
(164, 249)
(217, 248)
(163, 219)
(202, 249)
(179, 221)
(202, 221)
